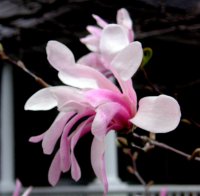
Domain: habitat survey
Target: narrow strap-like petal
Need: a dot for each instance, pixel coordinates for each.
(102, 23)
(54, 132)
(98, 161)
(158, 114)
(65, 140)
(18, 187)
(81, 130)
(37, 138)
(55, 170)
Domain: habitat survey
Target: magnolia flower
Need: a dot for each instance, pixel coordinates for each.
(90, 102)
(104, 43)
(18, 188)
(92, 41)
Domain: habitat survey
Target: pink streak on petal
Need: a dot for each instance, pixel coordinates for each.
(113, 39)
(127, 61)
(36, 139)
(98, 162)
(59, 56)
(81, 130)
(99, 21)
(106, 113)
(54, 132)
(55, 170)
(101, 96)
(157, 114)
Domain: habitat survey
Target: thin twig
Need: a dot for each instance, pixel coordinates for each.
(165, 146)
(21, 65)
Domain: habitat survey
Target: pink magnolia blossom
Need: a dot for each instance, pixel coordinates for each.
(104, 43)
(94, 104)
(18, 188)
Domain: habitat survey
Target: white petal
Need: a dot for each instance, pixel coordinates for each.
(123, 18)
(51, 97)
(157, 114)
(82, 76)
(127, 61)
(59, 56)
(41, 100)
(113, 39)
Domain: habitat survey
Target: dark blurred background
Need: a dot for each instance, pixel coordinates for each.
(170, 28)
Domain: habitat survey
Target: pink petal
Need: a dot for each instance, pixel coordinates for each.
(94, 30)
(54, 132)
(18, 187)
(157, 114)
(106, 113)
(36, 139)
(127, 61)
(59, 56)
(55, 170)
(92, 42)
(81, 130)
(98, 161)
(99, 21)
(93, 60)
(65, 140)
(123, 18)
(101, 96)
(82, 76)
(113, 39)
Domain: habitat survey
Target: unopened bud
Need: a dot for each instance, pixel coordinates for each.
(130, 169)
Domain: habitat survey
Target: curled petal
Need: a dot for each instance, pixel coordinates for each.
(113, 39)
(59, 56)
(55, 170)
(98, 161)
(127, 61)
(158, 114)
